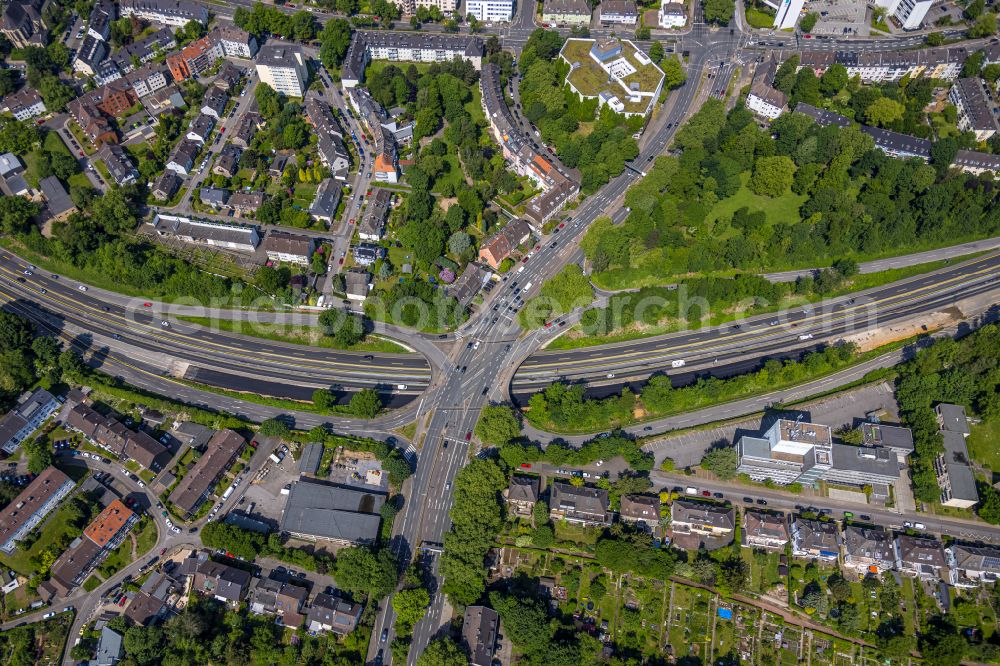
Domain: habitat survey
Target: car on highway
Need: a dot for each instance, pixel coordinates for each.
(27, 272)
(165, 324)
(806, 336)
(748, 500)
(384, 636)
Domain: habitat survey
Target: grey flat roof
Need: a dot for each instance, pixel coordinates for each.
(866, 459)
(332, 512)
(953, 418)
(311, 455)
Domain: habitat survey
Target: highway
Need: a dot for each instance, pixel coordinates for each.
(736, 346)
(199, 355)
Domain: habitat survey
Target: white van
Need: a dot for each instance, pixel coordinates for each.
(677, 364)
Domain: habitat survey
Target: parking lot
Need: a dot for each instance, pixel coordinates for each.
(840, 17)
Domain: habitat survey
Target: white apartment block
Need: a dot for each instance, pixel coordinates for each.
(168, 12)
(673, 15)
(283, 67)
(24, 104)
(787, 12)
(490, 11)
(411, 6)
(909, 14)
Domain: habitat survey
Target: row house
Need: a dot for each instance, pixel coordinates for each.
(406, 46)
(815, 539)
(29, 508)
(134, 55)
(182, 159)
(970, 566)
(32, 410)
(227, 163)
(868, 549)
(174, 13)
(148, 79)
(93, 123)
(765, 530)
(584, 506)
(119, 166)
(642, 511)
(284, 247)
(695, 524)
(920, 557)
(201, 128)
(109, 433)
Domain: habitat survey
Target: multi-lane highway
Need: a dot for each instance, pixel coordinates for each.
(736, 346)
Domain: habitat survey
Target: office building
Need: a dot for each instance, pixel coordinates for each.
(490, 11)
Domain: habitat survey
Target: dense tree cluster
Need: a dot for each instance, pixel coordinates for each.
(566, 290)
(264, 20)
(855, 201)
(962, 372)
(498, 425)
(477, 516)
(558, 453)
(416, 304)
(557, 113)
(248, 545)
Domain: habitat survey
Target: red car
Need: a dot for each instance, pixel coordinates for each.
(121, 600)
(223, 130)
(163, 551)
(468, 436)
(524, 261)
(562, 224)
(525, 465)
(351, 221)
(81, 153)
(705, 493)
(548, 324)
(147, 304)
(341, 261)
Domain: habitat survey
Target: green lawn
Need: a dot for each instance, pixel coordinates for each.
(778, 210)
(51, 530)
(452, 173)
(758, 18)
(575, 533)
(300, 335)
(92, 583)
(984, 444)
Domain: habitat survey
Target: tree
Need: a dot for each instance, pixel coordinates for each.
(409, 605)
(525, 619)
(144, 644)
(943, 647)
(303, 26)
(834, 79)
(335, 39)
(459, 241)
(443, 652)
(39, 454)
(16, 214)
(674, 74)
(772, 176)
(984, 26)
(274, 427)
(808, 22)
(721, 461)
(498, 425)
(656, 52)
(718, 11)
(989, 504)
(268, 100)
(360, 570)
(366, 403)
(935, 39)
(884, 111)
(17, 136)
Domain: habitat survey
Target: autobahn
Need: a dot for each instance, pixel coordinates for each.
(738, 345)
(200, 355)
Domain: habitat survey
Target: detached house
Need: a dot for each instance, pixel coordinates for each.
(328, 613)
(522, 494)
(273, 597)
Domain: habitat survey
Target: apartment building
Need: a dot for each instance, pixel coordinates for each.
(372, 224)
(283, 67)
(329, 613)
(907, 14)
(522, 494)
(974, 104)
(618, 12)
(672, 15)
(695, 525)
(324, 204)
(566, 12)
(175, 13)
(289, 248)
(201, 478)
(868, 549)
(30, 507)
(815, 539)
(89, 55)
(643, 510)
(764, 99)
(143, 50)
(410, 7)
(31, 412)
(970, 566)
(499, 246)
(891, 65)
(954, 473)
(119, 166)
(801, 452)
(584, 506)
(765, 530)
(490, 11)
(148, 79)
(406, 46)
(921, 557)
(109, 433)
(220, 581)
(24, 104)
(557, 185)
(105, 533)
(238, 237)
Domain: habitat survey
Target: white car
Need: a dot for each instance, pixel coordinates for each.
(82, 287)
(806, 336)
(140, 484)
(169, 524)
(919, 526)
(677, 364)
(611, 375)
(175, 530)
(165, 324)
